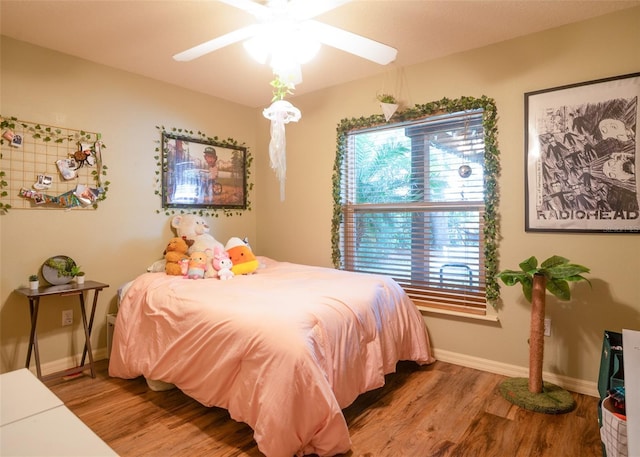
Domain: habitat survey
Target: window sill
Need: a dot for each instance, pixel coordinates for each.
(486, 317)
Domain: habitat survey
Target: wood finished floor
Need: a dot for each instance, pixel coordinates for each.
(439, 410)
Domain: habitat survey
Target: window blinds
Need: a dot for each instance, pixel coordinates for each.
(413, 208)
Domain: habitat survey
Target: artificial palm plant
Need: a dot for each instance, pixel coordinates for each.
(553, 275)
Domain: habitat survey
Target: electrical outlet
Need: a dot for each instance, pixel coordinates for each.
(67, 317)
(547, 327)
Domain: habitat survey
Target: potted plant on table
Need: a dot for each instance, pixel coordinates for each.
(34, 283)
(78, 274)
(553, 275)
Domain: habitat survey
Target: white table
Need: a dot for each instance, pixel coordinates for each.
(23, 395)
(34, 422)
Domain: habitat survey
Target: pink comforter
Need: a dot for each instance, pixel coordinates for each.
(284, 349)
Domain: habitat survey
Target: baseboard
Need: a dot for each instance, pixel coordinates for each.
(66, 363)
(575, 385)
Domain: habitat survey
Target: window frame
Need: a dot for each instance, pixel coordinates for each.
(491, 173)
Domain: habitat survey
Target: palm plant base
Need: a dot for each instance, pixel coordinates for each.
(552, 400)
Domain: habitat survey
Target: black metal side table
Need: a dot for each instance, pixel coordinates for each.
(65, 290)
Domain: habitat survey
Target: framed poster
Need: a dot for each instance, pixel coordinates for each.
(197, 173)
(580, 157)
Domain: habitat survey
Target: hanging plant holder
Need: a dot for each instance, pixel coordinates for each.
(388, 109)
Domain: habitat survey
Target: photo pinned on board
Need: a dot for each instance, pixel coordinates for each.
(43, 182)
(67, 168)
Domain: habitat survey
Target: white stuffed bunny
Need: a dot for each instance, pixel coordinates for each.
(222, 264)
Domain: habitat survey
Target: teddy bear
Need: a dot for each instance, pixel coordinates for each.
(175, 251)
(242, 258)
(222, 264)
(195, 228)
(197, 265)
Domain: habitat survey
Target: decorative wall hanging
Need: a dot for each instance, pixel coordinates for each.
(59, 269)
(50, 167)
(201, 174)
(580, 152)
(280, 112)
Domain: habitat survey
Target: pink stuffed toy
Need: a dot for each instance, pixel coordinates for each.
(222, 264)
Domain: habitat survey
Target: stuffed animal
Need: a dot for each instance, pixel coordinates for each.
(175, 251)
(197, 265)
(244, 262)
(196, 230)
(193, 227)
(184, 266)
(222, 264)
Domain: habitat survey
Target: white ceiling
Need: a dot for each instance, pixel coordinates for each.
(140, 36)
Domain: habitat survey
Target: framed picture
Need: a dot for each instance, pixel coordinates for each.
(198, 173)
(580, 157)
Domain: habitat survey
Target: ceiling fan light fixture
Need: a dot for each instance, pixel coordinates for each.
(289, 25)
(303, 47)
(284, 45)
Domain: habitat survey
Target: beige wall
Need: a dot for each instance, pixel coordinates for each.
(125, 234)
(37, 84)
(298, 229)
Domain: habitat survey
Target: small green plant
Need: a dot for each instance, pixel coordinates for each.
(386, 98)
(33, 277)
(281, 89)
(65, 267)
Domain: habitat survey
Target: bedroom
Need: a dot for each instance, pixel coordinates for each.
(114, 243)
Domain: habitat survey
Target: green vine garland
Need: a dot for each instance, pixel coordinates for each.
(48, 134)
(161, 155)
(4, 207)
(491, 167)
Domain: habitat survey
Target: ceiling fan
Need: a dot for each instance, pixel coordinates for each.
(292, 22)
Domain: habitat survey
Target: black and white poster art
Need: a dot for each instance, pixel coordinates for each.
(581, 152)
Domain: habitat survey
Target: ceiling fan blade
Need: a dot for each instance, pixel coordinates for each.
(216, 43)
(352, 43)
(249, 6)
(306, 9)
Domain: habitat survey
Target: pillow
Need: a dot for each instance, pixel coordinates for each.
(157, 266)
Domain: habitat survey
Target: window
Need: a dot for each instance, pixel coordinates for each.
(416, 200)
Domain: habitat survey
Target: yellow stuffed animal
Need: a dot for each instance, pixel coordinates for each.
(175, 252)
(198, 262)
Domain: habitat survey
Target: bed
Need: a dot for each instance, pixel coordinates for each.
(283, 350)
